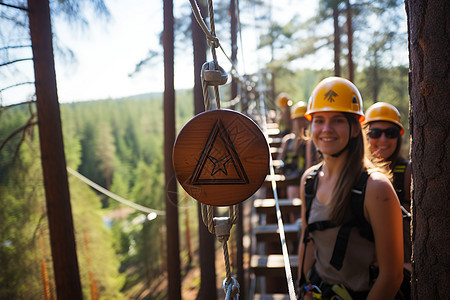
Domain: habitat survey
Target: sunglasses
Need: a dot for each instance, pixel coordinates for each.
(390, 133)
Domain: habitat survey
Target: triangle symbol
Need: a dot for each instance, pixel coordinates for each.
(219, 163)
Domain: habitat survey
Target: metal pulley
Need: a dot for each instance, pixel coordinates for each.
(214, 75)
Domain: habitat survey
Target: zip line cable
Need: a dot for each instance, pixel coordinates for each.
(114, 196)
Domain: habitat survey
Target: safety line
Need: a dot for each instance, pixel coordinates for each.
(114, 196)
(287, 264)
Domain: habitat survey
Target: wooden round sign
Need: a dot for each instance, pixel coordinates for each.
(221, 157)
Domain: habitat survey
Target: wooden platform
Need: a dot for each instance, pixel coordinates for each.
(272, 265)
(274, 141)
(270, 232)
(266, 206)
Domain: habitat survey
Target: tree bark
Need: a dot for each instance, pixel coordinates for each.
(429, 89)
(59, 211)
(351, 68)
(337, 42)
(173, 244)
(234, 47)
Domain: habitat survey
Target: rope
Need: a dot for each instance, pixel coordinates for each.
(212, 40)
(214, 75)
(114, 196)
(287, 264)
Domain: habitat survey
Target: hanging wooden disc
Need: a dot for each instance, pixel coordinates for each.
(221, 157)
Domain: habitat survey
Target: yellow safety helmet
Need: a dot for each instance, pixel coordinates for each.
(335, 94)
(298, 110)
(283, 100)
(382, 111)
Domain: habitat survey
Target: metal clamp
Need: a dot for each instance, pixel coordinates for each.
(214, 75)
(231, 288)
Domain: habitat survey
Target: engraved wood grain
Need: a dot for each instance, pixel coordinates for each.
(220, 157)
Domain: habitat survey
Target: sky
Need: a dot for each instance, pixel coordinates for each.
(106, 52)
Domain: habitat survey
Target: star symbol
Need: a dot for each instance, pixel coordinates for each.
(219, 165)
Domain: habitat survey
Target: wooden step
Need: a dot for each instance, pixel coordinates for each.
(280, 180)
(273, 132)
(271, 297)
(272, 125)
(275, 152)
(274, 141)
(272, 265)
(277, 163)
(266, 206)
(270, 232)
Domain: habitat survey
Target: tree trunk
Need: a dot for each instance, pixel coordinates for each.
(429, 91)
(59, 211)
(208, 288)
(351, 68)
(337, 42)
(173, 245)
(234, 47)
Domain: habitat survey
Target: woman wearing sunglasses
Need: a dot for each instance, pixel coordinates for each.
(351, 244)
(384, 133)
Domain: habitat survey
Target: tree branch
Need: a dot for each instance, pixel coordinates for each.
(14, 47)
(17, 84)
(14, 61)
(14, 6)
(18, 130)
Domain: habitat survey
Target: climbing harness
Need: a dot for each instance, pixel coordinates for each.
(331, 291)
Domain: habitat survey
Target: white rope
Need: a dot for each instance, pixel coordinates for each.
(287, 264)
(114, 196)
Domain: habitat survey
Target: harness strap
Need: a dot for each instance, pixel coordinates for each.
(320, 225)
(358, 220)
(399, 179)
(328, 291)
(340, 247)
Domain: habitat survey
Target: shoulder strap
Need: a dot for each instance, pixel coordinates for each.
(358, 220)
(399, 178)
(310, 193)
(310, 189)
(357, 207)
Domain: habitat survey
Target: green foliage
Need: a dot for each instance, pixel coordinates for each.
(96, 257)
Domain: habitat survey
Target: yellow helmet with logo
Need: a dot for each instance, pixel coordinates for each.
(298, 110)
(382, 111)
(283, 100)
(335, 94)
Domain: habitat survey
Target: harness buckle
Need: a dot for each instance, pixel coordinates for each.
(312, 290)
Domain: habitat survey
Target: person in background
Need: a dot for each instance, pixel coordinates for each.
(285, 104)
(351, 245)
(293, 150)
(384, 132)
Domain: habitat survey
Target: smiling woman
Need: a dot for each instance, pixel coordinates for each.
(352, 229)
